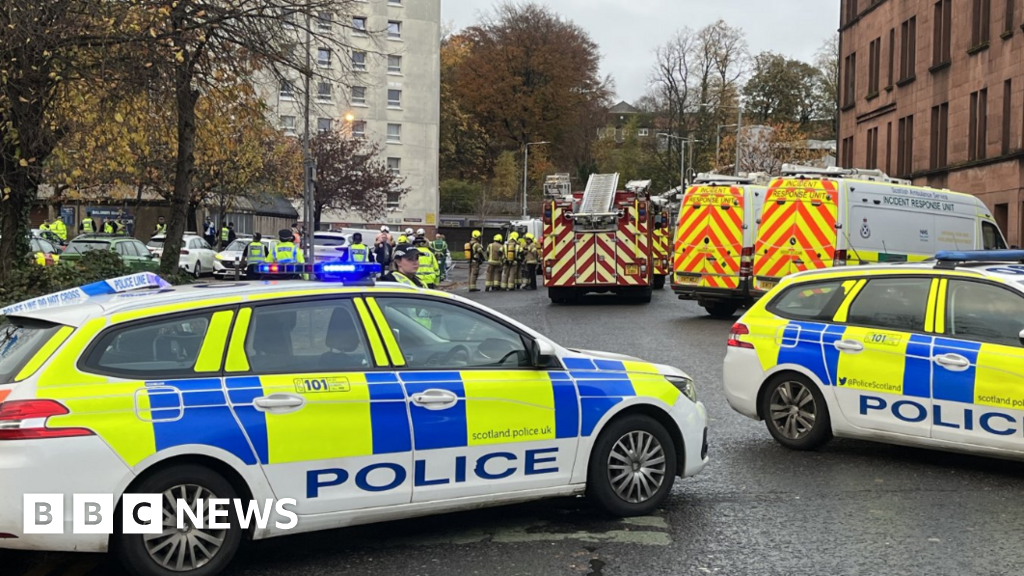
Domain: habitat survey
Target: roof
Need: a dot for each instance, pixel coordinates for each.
(623, 107)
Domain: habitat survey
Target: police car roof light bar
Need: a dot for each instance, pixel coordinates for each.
(347, 273)
(950, 259)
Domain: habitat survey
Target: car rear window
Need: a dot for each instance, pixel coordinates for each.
(20, 339)
(83, 246)
(813, 301)
(328, 241)
(156, 243)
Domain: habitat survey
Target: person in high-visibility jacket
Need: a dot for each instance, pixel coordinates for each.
(476, 258)
(45, 226)
(255, 253)
(60, 229)
(109, 227)
(510, 270)
(286, 252)
(407, 264)
(227, 235)
(494, 264)
(87, 225)
(161, 226)
(521, 278)
(531, 258)
(357, 251)
(428, 271)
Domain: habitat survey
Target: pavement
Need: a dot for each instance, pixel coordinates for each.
(853, 507)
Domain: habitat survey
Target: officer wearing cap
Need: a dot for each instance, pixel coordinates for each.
(407, 264)
(357, 251)
(428, 271)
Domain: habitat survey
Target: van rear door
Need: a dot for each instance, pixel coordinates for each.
(709, 238)
(797, 230)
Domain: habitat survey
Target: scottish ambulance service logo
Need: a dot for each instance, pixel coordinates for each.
(865, 230)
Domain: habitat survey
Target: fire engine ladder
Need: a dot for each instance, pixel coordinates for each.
(600, 194)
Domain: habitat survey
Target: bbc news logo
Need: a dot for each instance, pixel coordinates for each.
(144, 514)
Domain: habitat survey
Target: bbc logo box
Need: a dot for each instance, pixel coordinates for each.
(92, 514)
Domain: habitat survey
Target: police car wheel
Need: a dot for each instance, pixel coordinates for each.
(721, 309)
(795, 412)
(632, 466)
(194, 551)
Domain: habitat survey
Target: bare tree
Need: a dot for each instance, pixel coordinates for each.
(827, 62)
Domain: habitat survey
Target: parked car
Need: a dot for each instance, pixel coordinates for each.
(330, 246)
(133, 252)
(224, 263)
(42, 251)
(197, 256)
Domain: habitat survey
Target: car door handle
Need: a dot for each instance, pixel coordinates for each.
(953, 362)
(279, 403)
(849, 346)
(435, 399)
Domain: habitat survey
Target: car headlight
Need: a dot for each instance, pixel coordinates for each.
(685, 385)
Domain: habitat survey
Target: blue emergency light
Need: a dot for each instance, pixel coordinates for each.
(349, 273)
(949, 259)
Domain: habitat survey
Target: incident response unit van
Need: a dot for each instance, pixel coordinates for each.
(816, 218)
(714, 243)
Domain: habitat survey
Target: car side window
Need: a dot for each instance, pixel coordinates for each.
(204, 245)
(439, 335)
(984, 313)
(122, 249)
(811, 301)
(140, 249)
(991, 238)
(303, 337)
(892, 303)
(154, 349)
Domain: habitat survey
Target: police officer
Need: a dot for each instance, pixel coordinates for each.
(531, 258)
(475, 256)
(407, 264)
(109, 226)
(227, 235)
(440, 249)
(44, 227)
(285, 251)
(255, 253)
(510, 270)
(209, 232)
(88, 225)
(357, 251)
(494, 264)
(428, 271)
(60, 229)
(161, 226)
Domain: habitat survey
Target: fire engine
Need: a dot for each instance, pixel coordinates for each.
(600, 240)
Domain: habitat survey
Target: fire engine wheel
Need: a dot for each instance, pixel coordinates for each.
(644, 295)
(659, 282)
(563, 295)
(721, 309)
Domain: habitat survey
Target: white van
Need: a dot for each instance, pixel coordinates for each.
(816, 218)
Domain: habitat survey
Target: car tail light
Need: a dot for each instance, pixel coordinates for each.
(840, 258)
(747, 262)
(734, 334)
(184, 252)
(26, 420)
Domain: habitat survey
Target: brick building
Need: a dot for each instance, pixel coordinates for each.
(933, 90)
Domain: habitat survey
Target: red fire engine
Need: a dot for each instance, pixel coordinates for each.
(600, 240)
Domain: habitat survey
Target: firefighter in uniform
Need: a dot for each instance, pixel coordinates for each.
(521, 278)
(440, 250)
(255, 253)
(358, 252)
(531, 258)
(476, 258)
(428, 271)
(494, 264)
(407, 264)
(87, 225)
(510, 270)
(60, 229)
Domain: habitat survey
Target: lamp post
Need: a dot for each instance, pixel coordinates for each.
(739, 129)
(526, 167)
(682, 156)
(308, 165)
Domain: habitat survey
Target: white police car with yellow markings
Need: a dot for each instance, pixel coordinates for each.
(361, 403)
(928, 354)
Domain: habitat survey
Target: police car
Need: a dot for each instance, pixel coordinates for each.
(361, 402)
(928, 354)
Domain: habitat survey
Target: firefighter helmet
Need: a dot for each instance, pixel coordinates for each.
(497, 237)
(476, 233)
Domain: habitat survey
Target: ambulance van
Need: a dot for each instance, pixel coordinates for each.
(714, 243)
(817, 218)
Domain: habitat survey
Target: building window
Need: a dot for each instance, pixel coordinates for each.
(394, 133)
(394, 29)
(979, 125)
(359, 95)
(359, 61)
(394, 64)
(288, 125)
(323, 91)
(981, 12)
(872, 157)
(323, 21)
(908, 49)
(888, 148)
(942, 32)
(846, 154)
(939, 136)
(643, 132)
(395, 2)
(394, 200)
(851, 10)
(359, 129)
(892, 56)
(905, 146)
(1008, 17)
(323, 125)
(394, 98)
(874, 66)
(850, 80)
(359, 23)
(395, 166)
(1007, 114)
(323, 57)
(287, 91)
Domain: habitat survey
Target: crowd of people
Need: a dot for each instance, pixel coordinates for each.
(511, 265)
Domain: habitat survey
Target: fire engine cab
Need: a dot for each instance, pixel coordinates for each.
(600, 240)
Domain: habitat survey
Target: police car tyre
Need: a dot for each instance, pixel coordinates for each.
(795, 412)
(721, 309)
(632, 466)
(207, 552)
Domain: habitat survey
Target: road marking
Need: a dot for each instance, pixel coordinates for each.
(649, 521)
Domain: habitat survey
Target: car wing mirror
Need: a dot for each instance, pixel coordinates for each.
(541, 353)
(1021, 337)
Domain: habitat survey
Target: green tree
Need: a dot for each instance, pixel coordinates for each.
(782, 89)
(505, 184)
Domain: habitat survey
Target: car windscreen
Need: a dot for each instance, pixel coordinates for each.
(328, 241)
(83, 246)
(20, 339)
(237, 246)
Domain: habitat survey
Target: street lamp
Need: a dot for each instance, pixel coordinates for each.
(526, 166)
(682, 156)
(739, 128)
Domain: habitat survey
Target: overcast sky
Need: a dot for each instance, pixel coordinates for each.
(628, 31)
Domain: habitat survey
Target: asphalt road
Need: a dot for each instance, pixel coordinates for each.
(851, 508)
